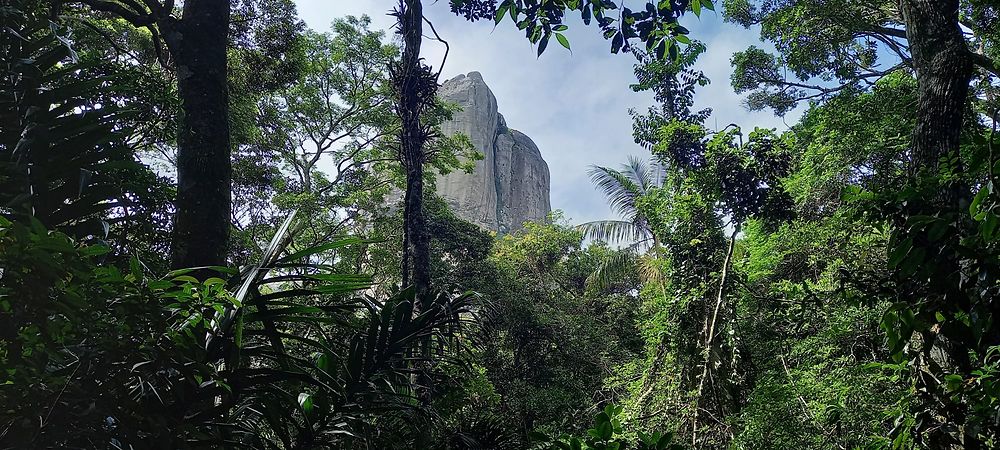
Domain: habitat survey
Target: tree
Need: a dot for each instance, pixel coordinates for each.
(328, 130)
(949, 63)
(197, 43)
(795, 281)
(673, 84)
(843, 42)
(414, 86)
(548, 340)
(624, 188)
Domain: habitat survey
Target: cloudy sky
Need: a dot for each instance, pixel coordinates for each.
(573, 105)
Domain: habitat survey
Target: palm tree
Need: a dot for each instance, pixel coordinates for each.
(623, 188)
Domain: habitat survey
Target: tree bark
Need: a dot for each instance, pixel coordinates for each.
(197, 43)
(412, 89)
(415, 88)
(944, 69)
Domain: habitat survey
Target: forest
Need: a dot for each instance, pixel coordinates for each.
(221, 228)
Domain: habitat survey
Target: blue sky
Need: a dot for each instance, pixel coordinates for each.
(573, 105)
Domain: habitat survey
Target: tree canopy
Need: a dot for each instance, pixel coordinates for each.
(220, 228)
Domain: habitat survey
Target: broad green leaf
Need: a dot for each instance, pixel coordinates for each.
(501, 12)
(563, 41)
(542, 43)
(306, 402)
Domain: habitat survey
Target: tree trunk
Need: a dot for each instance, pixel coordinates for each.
(198, 44)
(944, 70)
(415, 87)
(710, 325)
(412, 87)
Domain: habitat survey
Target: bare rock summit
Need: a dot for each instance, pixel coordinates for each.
(510, 185)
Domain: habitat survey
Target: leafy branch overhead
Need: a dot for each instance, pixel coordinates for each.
(655, 27)
(825, 48)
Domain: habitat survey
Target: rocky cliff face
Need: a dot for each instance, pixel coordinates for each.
(510, 185)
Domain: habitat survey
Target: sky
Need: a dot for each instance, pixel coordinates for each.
(574, 105)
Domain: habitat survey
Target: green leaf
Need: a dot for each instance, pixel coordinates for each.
(501, 12)
(306, 402)
(977, 201)
(664, 441)
(542, 43)
(187, 279)
(989, 227)
(899, 252)
(617, 42)
(214, 281)
(95, 250)
(563, 41)
(953, 381)
(605, 430)
(938, 230)
(913, 261)
(339, 243)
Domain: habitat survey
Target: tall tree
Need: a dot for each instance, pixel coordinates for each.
(950, 47)
(197, 42)
(943, 63)
(624, 189)
(415, 86)
(847, 43)
(338, 115)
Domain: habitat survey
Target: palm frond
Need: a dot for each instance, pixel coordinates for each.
(614, 231)
(639, 172)
(620, 190)
(612, 269)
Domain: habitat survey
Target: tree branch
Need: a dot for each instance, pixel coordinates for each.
(985, 62)
(447, 48)
(137, 19)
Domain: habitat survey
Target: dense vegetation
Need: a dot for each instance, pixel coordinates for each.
(218, 229)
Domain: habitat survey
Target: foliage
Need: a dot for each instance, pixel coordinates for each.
(824, 48)
(546, 341)
(184, 361)
(822, 287)
(655, 26)
(607, 434)
(62, 157)
(673, 85)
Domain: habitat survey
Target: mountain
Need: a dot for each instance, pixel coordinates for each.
(510, 185)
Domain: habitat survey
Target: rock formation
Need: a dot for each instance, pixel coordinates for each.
(510, 185)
